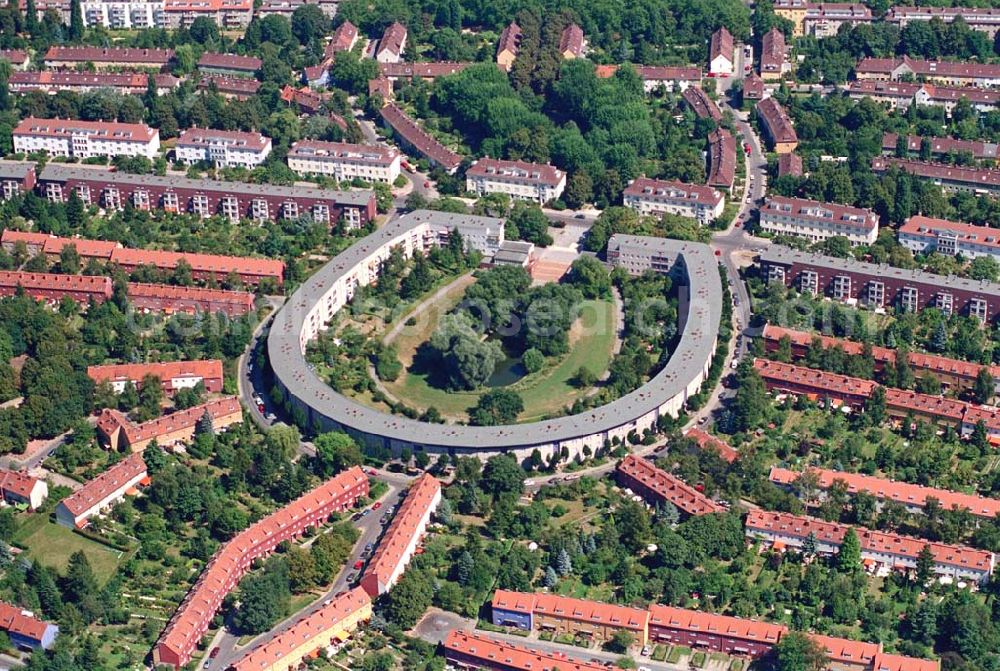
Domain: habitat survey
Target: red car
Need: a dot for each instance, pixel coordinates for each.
(378, 504)
(427, 185)
(358, 564)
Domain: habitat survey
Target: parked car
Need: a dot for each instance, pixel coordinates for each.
(358, 565)
(378, 504)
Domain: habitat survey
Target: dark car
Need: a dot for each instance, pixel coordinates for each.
(215, 653)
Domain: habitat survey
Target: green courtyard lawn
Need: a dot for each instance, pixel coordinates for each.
(52, 545)
(546, 392)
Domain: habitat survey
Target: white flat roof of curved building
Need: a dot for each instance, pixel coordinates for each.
(689, 360)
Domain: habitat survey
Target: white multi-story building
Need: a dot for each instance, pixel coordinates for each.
(657, 197)
(232, 14)
(818, 221)
(224, 148)
(344, 161)
(518, 179)
(123, 14)
(922, 235)
(85, 139)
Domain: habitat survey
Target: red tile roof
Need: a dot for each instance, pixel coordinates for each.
(393, 39)
(182, 419)
(139, 292)
(571, 40)
(753, 87)
(813, 211)
(237, 86)
(516, 602)
(51, 80)
(722, 155)
(667, 486)
(790, 164)
(303, 631)
(925, 68)
(713, 624)
(200, 263)
(846, 650)
(928, 227)
(690, 193)
(17, 483)
(522, 171)
(701, 104)
(416, 136)
(942, 145)
(592, 612)
(343, 39)
(15, 56)
(778, 373)
(943, 171)
(230, 562)
(721, 45)
(510, 39)
(138, 57)
(832, 533)
(53, 245)
(199, 137)
(668, 73)
(55, 282)
(229, 62)
(887, 662)
(21, 622)
(495, 652)
(772, 55)
(937, 406)
(778, 124)
(706, 440)
(423, 70)
(112, 481)
(207, 368)
(399, 535)
(891, 490)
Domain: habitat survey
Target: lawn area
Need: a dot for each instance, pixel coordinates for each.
(574, 587)
(545, 392)
(52, 545)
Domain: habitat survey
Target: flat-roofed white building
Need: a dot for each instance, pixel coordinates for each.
(656, 197)
(518, 179)
(224, 148)
(86, 139)
(817, 221)
(344, 161)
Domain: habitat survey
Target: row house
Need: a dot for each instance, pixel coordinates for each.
(103, 492)
(590, 620)
(430, 71)
(880, 286)
(915, 498)
(179, 640)
(939, 147)
(471, 651)
(286, 8)
(821, 19)
(117, 432)
(878, 549)
(401, 538)
(777, 126)
(984, 19)
(234, 200)
(699, 102)
(707, 441)
(108, 57)
(815, 384)
(773, 56)
(227, 14)
(658, 197)
(222, 148)
(234, 88)
(410, 134)
(26, 632)
(173, 375)
(172, 299)
(52, 288)
(203, 266)
(344, 162)
(949, 73)
(925, 235)
(816, 221)
(83, 82)
(332, 624)
(18, 58)
(16, 177)
(712, 632)
(228, 65)
(789, 164)
(658, 486)
(658, 77)
(572, 43)
(520, 180)
(508, 46)
(20, 489)
(85, 139)
(393, 43)
(952, 374)
(721, 53)
(900, 95)
(722, 156)
(951, 178)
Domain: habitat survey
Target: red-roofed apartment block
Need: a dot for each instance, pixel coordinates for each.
(401, 538)
(118, 432)
(103, 492)
(173, 375)
(188, 300)
(21, 489)
(564, 615)
(85, 139)
(790, 379)
(233, 560)
(658, 486)
(708, 631)
(52, 288)
(878, 549)
(468, 650)
(333, 623)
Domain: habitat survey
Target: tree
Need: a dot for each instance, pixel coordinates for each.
(150, 397)
(584, 378)
(75, 21)
(335, 452)
(551, 578)
(496, 407)
(69, 260)
(564, 566)
(798, 652)
(591, 277)
(939, 341)
(409, 598)
(308, 23)
(809, 545)
(849, 556)
(621, 641)
(925, 565)
(502, 475)
(533, 360)
(985, 386)
(984, 268)
(265, 597)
